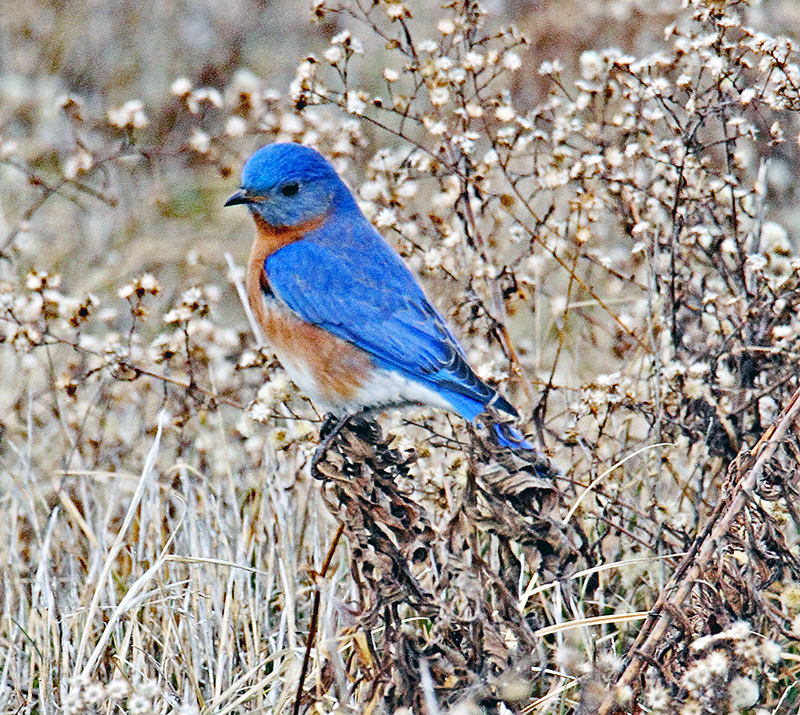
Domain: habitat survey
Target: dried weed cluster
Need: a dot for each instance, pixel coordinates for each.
(615, 256)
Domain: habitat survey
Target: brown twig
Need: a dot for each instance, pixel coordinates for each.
(312, 627)
(681, 584)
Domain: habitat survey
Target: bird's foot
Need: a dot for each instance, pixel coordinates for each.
(330, 429)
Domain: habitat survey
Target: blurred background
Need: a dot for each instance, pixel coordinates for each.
(109, 53)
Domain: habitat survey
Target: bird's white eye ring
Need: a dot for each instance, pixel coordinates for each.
(290, 189)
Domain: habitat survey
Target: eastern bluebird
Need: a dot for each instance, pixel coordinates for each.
(345, 316)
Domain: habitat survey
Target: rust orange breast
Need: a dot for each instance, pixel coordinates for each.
(321, 363)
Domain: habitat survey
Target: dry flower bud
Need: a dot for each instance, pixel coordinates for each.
(200, 141)
(181, 87)
(129, 115)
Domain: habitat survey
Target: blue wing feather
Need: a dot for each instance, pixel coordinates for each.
(346, 279)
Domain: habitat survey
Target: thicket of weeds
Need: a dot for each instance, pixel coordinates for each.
(615, 257)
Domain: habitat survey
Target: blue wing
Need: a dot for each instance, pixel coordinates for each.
(346, 279)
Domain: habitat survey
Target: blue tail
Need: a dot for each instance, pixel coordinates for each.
(509, 436)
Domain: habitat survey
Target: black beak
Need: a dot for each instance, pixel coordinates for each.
(240, 197)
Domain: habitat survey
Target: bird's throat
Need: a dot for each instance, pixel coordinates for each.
(268, 240)
(272, 238)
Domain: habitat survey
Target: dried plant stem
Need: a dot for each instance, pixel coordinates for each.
(119, 542)
(702, 552)
(235, 275)
(312, 626)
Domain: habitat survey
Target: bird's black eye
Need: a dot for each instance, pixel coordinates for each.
(290, 189)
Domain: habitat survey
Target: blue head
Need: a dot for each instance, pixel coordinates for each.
(290, 184)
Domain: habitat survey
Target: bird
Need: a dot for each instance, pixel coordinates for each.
(345, 316)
